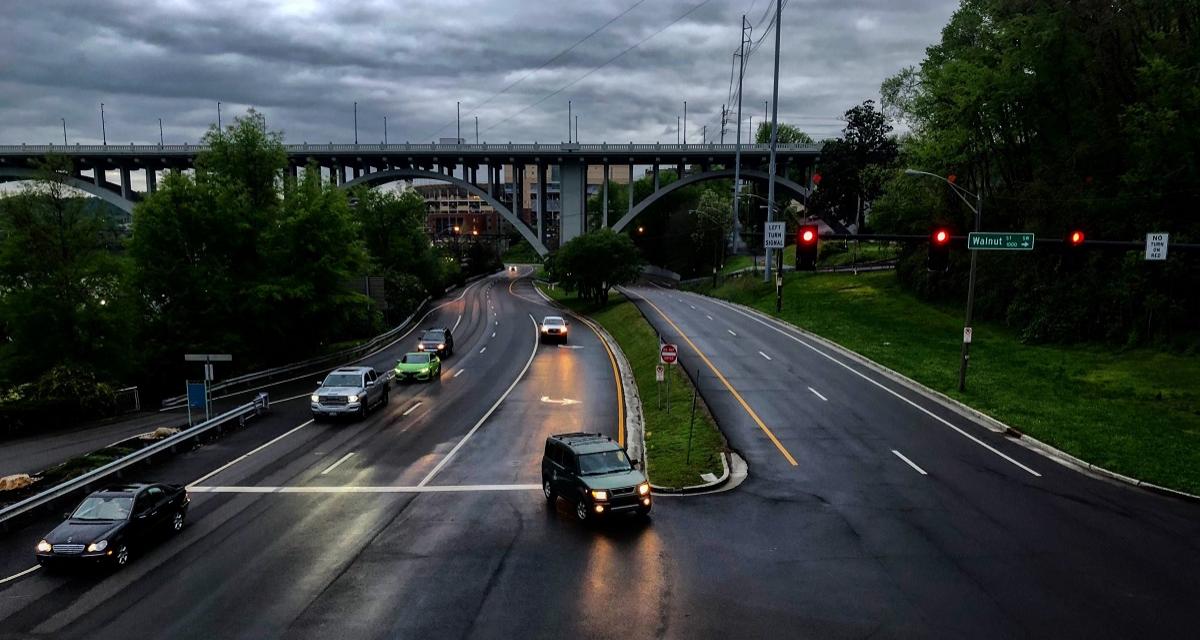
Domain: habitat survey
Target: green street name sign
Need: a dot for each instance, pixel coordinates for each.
(1000, 241)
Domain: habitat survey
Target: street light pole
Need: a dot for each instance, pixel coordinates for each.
(218, 116)
(385, 130)
(476, 129)
(737, 162)
(160, 133)
(965, 355)
(103, 129)
(685, 121)
(458, 122)
(771, 175)
(355, 123)
(64, 121)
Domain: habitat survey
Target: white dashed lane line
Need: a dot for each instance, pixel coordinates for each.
(764, 355)
(335, 465)
(910, 462)
(818, 394)
(708, 316)
(731, 332)
(483, 349)
(414, 407)
(459, 373)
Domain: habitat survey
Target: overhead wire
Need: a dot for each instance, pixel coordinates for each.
(472, 110)
(599, 66)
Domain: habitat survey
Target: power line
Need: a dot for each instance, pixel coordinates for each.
(557, 56)
(599, 66)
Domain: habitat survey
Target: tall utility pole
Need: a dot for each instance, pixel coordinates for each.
(218, 116)
(766, 114)
(685, 121)
(103, 129)
(723, 122)
(385, 130)
(64, 121)
(576, 129)
(355, 123)
(677, 130)
(737, 162)
(476, 129)
(704, 134)
(458, 122)
(160, 135)
(771, 175)
(750, 133)
(568, 120)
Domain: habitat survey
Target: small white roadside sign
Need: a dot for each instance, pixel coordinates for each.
(1156, 246)
(773, 239)
(660, 373)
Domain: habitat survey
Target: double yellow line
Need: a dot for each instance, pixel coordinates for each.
(721, 377)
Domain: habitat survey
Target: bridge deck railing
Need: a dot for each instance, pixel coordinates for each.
(449, 149)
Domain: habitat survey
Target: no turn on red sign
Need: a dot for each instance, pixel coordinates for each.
(668, 353)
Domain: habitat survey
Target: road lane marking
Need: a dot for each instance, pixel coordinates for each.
(692, 306)
(248, 454)
(456, 323)
(565, 401)
(708, 316)
(483, 349)
(335, 465)
(303, 395)
(414, 407)
(764, 355)
(881, 386)
(449, 488)
(31, 570)
(493, 334)
(818, 394)
(910, 462)
(720, 376)
(731, 332)
(459, 373)
(442, 463)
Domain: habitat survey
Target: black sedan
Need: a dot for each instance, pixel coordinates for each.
(108, 524)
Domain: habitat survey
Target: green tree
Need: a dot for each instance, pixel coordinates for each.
(788, 134)
(393, 228)
(62, 292)
(592, 263)
(714, 218)
(852, 167)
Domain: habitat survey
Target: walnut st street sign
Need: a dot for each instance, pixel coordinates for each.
(1000, 241)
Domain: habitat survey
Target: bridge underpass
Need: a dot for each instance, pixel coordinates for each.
(503, 165)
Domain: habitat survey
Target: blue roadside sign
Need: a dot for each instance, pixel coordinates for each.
(195, 395)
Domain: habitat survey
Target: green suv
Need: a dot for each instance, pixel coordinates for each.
(594, 473)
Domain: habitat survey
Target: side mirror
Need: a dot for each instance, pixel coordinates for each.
(319, 383)
(370, 383)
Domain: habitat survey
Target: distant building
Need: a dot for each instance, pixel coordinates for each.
(447, 207)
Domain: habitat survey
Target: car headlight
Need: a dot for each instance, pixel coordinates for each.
(99, 545)
(44, 547)
(544, 329)
(314, 398)
(420, 347)
(441, 346)
(353, 399)
(599, 495)
(644, 489)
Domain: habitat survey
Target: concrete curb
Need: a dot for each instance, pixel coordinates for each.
(1029, 442)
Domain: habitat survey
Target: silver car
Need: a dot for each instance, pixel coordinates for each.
(349, 391)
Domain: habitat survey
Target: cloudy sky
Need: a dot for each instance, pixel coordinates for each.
(305, 62)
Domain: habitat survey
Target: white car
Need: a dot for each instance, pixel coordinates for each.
(554, 328)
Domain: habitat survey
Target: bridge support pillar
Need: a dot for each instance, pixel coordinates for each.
(604, 198)
(656, 177)
(98, 175)
(542, 171)
(572, 215)
(631, 181)
(126, 187)
(151, 180)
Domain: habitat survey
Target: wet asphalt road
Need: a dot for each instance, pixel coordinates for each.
(425, 520)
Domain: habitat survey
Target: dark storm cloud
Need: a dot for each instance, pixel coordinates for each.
(305, 63)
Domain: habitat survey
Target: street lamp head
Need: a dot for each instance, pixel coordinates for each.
(911, 172)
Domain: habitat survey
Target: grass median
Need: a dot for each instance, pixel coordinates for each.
(667, 461)
(1132, 411)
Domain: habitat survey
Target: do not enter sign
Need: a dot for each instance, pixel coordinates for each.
(669, 353)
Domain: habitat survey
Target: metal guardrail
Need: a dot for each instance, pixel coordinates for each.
(260, 405)
(451, 149)
(345, 355)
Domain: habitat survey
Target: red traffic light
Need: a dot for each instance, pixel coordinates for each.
(941, 236)
(1076, 238)
(807, 234)
(816, 179)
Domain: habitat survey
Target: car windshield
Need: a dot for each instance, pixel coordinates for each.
(604, 462)
(432, 336)
(104, 508)
(415, 358)
(343, 380)
(553, 322)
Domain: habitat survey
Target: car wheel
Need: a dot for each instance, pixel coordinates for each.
(548, 489)
(177, 521)
(362, 412)
(582, 513)
(121, 557)
(387, 396)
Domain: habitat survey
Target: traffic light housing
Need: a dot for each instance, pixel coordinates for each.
(807, 239)
(938, 259)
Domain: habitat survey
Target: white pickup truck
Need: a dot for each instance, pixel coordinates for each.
(349, 391)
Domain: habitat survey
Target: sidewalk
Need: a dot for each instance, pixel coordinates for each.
(35, 453)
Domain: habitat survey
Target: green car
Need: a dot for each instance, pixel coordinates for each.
(418, 366)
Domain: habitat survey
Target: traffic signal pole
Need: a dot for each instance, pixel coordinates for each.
(967, 330)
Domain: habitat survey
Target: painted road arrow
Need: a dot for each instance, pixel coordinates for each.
(564, 401)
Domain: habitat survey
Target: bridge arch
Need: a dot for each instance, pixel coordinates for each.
(391, 175)
(12, 174)
(752, 174)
